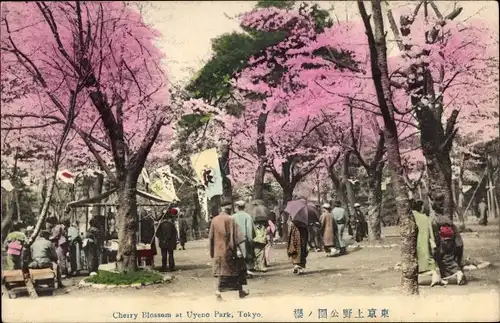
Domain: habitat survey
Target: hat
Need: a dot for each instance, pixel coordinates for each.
(357, 204)
(326, 206)
(30, 227)
(240, 203)
(226, 202)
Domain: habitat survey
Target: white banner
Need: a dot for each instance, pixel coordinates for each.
(7, 185)
(202, 199)
(206, 166)
(163, 185)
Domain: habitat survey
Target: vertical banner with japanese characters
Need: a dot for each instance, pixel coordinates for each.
(163, 185)
(206, 166)
(202, 199)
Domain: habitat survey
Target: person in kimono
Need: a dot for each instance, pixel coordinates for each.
(449, 250)
(361, 225)
(43, 255)
(246, 224)
(260, 242)
(426, 244)
(14, 246)
(340, 217)
(483, 212)
(270, 232)
(60, 242)
(183, 229)
(328, 230)
(226, 240)
(75, 247)
(297, 250)
(167, 240)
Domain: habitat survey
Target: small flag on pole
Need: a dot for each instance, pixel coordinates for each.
(66, 176)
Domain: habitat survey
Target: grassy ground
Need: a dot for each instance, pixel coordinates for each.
(111, 278)
(362, 271)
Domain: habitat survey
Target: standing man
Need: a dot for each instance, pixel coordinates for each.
(60, 242)
(483, 212)
(328, 230)
(183, 228)
(167, 240)
(340, 217)
(247, 227)
(226, 242)
(75, 246)
(361, 224)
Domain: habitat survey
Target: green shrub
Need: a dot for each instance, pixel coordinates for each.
(137, 277)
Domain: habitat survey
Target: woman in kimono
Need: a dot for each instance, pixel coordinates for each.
(260, 242)
(270, 231)
(297, 246)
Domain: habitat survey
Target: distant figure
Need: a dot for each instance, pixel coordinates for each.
(226, 240)
(60, 242)
(328, 230)
(43, 255)
(361, 225)
(14, 246)
(314, 236)
(340, 217)
(483, 212)
(246, 225)
(297, 246)
(167, 240)
(75, 247)
(183, 228)
(270, 232)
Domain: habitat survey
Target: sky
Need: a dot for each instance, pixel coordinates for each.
(188, 26)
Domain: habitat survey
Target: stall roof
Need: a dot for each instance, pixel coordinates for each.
(94, 200)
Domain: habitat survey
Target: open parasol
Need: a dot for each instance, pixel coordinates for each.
(258, 210)
(301, 211)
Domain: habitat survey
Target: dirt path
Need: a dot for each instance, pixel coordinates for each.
(364, 271)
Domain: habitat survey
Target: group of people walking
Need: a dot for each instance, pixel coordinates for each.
(239, 245)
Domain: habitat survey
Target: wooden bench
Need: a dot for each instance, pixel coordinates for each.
(13, 280)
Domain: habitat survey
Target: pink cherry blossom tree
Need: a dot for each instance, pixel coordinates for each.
(447, 71)
(95, 66)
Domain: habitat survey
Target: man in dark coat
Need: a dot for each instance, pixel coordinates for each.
(167, 240)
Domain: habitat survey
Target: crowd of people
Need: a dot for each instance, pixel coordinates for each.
(240, 243)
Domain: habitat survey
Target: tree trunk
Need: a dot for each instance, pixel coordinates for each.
(380, 76)
(96, 189)
(340, 191)
(287, 197)
(258, 184)
(375, 205)
(258, 192)
(8, 216)
(227, 187)
(350, 198)
(127, 224)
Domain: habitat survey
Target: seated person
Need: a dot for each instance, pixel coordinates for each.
(43, 255)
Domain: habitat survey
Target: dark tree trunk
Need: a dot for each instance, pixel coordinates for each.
(339, 190)
(227, 187)
(96, 189)
(346, 184)
(375, 204)
(127, 223)
(380, 75)
(8, 216)
(287, 197)
(258, 186)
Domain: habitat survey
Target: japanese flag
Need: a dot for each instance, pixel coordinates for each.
(66, 176)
